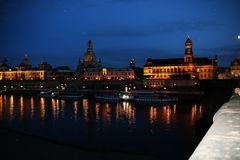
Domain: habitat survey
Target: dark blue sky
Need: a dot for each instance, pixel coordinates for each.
(57, 31)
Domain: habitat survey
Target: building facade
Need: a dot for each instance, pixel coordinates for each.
(109, 74)
(23, 71)
(235, 68)
(22, 75)
(224, 73)
(187, 67)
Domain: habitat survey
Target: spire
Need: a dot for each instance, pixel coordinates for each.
(90, 46)
(188, 54)
(132, 63)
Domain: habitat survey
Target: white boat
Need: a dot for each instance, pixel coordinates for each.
(126, 96)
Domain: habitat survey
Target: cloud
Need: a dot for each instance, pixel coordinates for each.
(156, 28)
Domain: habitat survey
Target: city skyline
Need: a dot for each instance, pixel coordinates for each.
(58, 31)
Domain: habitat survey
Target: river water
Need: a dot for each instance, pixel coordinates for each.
(163, 130)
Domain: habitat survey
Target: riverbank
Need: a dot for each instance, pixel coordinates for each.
(15, 145)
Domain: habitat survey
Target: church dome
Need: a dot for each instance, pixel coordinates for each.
(89, 56)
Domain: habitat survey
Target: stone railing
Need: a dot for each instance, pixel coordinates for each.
(222, 140)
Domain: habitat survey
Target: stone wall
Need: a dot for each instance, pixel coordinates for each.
(222, 140)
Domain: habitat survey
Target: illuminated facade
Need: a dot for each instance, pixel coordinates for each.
(109, 74)
(187, 67)
(22, 72)
(235, 68)
(224, 73)
(22, 75)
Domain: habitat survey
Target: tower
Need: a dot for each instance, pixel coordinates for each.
(188, 55)
(90, 46)
(89, 57)
(132, 63)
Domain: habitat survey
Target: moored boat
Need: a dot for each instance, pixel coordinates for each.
(107, 98)
(68, 95)
(47, 93)
(152, 97)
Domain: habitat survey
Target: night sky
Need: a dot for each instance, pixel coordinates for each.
(57, 31)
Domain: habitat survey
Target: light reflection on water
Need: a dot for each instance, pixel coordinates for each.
(85, 120)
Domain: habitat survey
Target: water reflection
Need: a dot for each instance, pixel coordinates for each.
(75, 108)
(164, 114)
(1, 107)
(63, 104)
(126, 111)
(42, 108)
(21, 110)
(31, 108)
(153, 114)
(55, 108)
(97, 111)
(196, 113)
(11, 108)
(85, 109)
(106, 113)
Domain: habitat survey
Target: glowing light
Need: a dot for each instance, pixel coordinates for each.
(21, 108)
(1, 107)
(85, 109)
(42, 108)
(31, 107)
(238, 37)
(75, 108)
(11, 108)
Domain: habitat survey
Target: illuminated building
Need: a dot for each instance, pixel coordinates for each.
(90, 69)
(22, 75)
(235, 68)
(63, 73)
(89, 60)
(109, 73)
(22, 72)
(224, 73)
(187, 67)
